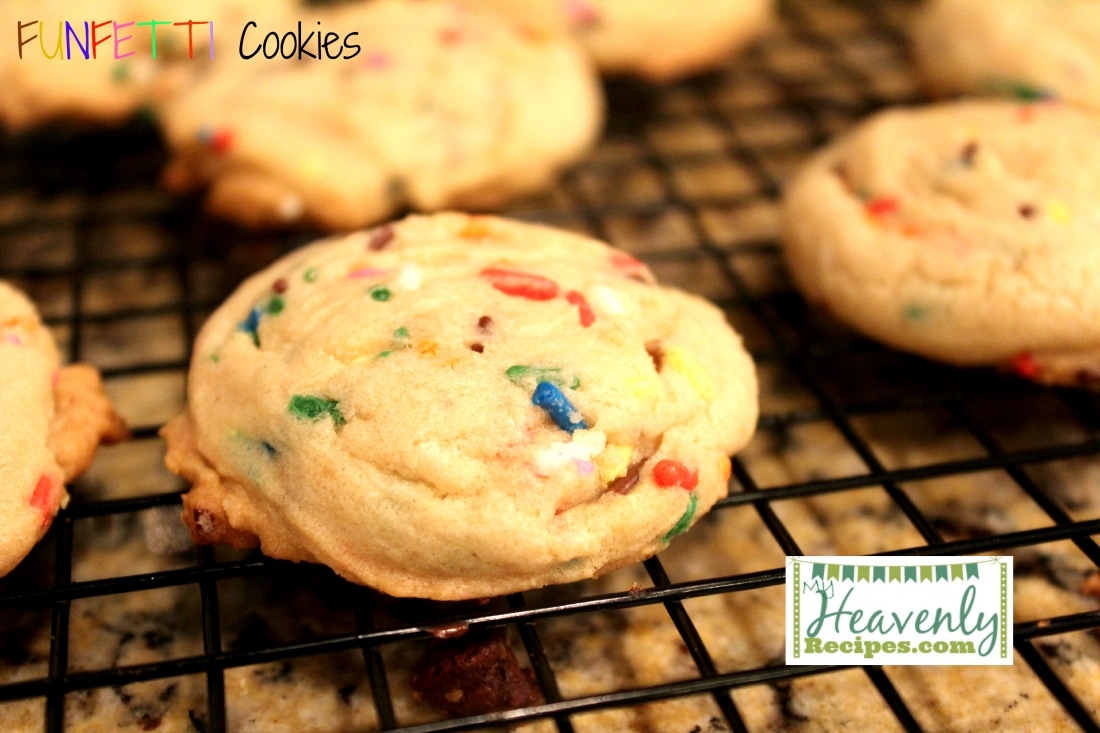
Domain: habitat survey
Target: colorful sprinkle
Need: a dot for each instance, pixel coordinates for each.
(280, 285)
(1059, 211)
(380, 293)
(381, 238)
(687, 364)
(668, 473)
(475, 228)
(275, 305)
(614, 462)
(684, 521)
(308, 407)
(520, 284)
(311, 274)
(450, 36)
(1026, 210)
(44, 497)
(13, 339)
(915, 312)
(969, 152)
(607, 301)
(410, 277)
(219, 141)
(881, 206)
(582, 447)
(485, 324)
(585, 310)
(582, 13)
(558, 407)
(377, 60)
(523, 376)
(630, 266)
(1024, 365)
(268, 448)
(364, 272)
(121, 72)
(251, 325)
(400, 341)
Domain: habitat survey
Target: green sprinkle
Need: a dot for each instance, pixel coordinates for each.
(275, 305)
(380, 293)
(529, 376)
(121, 72)
(401, 334)
(311, 274)
(684, 521)
(215, 358)
(915, 312)
(307, 407)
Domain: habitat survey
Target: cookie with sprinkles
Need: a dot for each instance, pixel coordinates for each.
(51, 419)
(1027, 49)
(432, 105)
(660, 41)
(964, 232)
(525, 407)
(103, 61)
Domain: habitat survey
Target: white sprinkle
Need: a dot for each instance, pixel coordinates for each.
(410, 277)
(607, 302)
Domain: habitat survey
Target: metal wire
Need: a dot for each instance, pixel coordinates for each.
(84, 184)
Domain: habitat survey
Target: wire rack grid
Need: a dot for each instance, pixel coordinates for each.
(111, 623)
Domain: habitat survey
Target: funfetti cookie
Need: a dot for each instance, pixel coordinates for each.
(964, 232)
(104, 60)
(657, 40)
(1029, 49)
(430, 105)
(455, 407)
(51, 419)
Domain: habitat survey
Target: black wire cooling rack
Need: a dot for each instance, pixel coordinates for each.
(687, 177)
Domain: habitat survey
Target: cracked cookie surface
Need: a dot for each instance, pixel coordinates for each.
(456, 407)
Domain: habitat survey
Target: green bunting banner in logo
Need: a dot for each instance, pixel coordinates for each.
(895, 573)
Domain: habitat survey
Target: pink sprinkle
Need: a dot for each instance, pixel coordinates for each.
(55, 378)
(581, 12)
(378, 60)
(11, 338)
(584, 468)
(363, 272)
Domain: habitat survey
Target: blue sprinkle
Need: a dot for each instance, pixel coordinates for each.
(268, 448)
(560, 409)
(251, 325)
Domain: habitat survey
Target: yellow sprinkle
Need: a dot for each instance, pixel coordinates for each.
(427, 347)
(683, 361)
(643, 387)
(360, 359)
(613, 462)
(1059, 211)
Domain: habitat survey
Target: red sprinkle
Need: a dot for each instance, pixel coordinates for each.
(587, 316)
(629, 266)
(669, 473)
(882, 205)
(450, 36)
(44, 497)
(279, 286)
(1024, 365)
(221, 141)
(521, 284)
(381, 237)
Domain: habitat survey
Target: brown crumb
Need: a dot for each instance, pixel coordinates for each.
(477, 673)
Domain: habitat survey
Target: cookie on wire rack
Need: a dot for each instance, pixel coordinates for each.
(456, 407)
(430, 105)
(964, 232)
(51, 419)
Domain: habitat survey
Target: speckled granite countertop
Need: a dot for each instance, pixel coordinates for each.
(115, 623)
